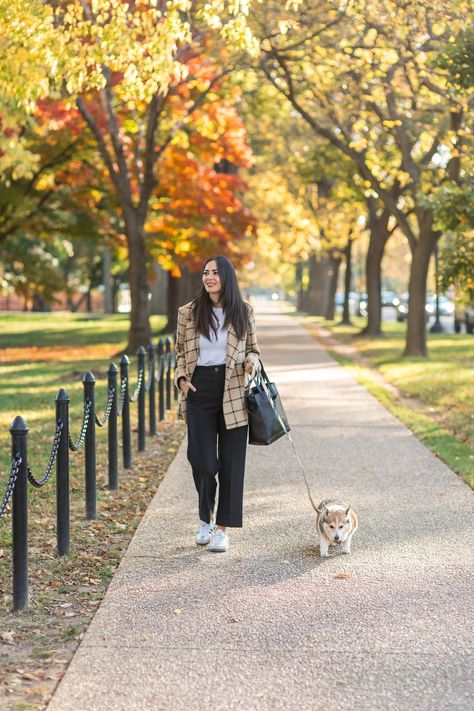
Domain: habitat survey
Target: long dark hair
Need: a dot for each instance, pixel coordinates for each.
(235, 309)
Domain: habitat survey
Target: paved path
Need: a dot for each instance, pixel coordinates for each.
(269, 625)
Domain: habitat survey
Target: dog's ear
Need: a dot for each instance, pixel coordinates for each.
(348, 511)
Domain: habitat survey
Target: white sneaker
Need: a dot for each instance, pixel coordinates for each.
(203, 536)
(219, 541)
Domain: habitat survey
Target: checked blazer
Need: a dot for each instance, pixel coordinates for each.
(187, 351)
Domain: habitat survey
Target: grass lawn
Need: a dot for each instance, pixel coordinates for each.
(437, 393)
(39, 354)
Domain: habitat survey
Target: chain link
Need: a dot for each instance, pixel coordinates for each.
(16, 464)
(101, 422)
(52, 458)
(123, 388)
(75, 447)
(135, 395)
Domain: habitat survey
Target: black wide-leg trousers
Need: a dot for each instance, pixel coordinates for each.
(214, 450)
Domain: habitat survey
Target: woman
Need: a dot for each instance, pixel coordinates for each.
(216, 345)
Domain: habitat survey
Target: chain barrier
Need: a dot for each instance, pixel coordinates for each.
(100, 422)
(16, 464)
(75, 447)
(134, 397)
(121, 402)
(52, 458)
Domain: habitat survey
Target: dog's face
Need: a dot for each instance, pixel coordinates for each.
(336, 524)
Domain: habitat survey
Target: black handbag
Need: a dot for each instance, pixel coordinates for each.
(267, 418)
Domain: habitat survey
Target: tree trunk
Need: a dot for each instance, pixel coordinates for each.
(140, 331)
(39, 303)
(333, 274)
(416, 322)
(108, 281)
(346, 317)
(317, 294)
(115, 291)
(299, 286)
(379, 235)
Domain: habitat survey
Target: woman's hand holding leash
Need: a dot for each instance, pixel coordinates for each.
(250, 363)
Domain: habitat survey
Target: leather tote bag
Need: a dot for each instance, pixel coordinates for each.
(267, 418)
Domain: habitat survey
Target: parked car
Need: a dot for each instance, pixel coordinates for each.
(464, 316)
(401, 307)
(389, 298)
(361, 305)
(446, 306)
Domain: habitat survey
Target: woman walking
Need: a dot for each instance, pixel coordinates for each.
(216, 345)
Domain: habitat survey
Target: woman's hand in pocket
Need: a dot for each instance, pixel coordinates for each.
(184, 385)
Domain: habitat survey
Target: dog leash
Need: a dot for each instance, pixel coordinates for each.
(300, 462)
(255, 370)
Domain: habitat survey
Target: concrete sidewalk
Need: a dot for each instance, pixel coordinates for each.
(269, 625)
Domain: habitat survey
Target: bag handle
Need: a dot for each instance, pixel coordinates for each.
(257, 373)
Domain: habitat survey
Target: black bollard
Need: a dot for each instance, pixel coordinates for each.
(152, 390)
(141, 355)
(161, 380)
(89, 385)
(112, 429)
(126, 437)
(62, 475)
(19, 435)
(168, 372)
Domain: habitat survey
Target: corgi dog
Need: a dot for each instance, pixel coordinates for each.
(336, 523)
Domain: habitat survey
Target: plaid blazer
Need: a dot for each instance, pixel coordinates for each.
(187, 351)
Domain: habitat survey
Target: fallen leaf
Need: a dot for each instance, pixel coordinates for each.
(343, 576)
(2, 552)
(7, 637)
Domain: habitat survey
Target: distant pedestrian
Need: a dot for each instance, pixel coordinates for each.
(216, 345)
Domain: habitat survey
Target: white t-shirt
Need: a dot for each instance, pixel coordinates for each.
(214, 351)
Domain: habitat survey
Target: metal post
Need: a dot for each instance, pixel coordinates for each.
(141, 355)
(437, 327)
(112, 429)
(19, 435)
(126, 438)
(152, 390)
(62, 475)
(168, 372)
(90, 466)
(161, 380)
